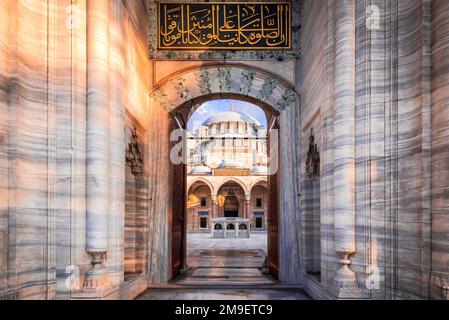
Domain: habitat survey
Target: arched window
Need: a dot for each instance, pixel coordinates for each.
(218, 227)
(231, 227)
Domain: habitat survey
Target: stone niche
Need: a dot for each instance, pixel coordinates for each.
(136, 202)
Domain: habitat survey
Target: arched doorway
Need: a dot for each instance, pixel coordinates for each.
(182, 93)
(231, 207)
(231, 196)
(227, 153)
(199, 207)
(234, 196)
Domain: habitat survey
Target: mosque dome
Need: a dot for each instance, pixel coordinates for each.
(231, 116)
(234, 164)
(201, 170)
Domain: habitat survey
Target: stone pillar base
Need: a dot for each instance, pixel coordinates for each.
(97, 284)
(345, 281)
(351, 294)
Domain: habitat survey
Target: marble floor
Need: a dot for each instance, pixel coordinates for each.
(196, 241)
(224, 294)
(225, 269)
(225, 261)
(203, 251)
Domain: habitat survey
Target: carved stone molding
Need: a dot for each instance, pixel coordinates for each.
(160, 98)
(267, 89)
(180, 85)
(288, 98)
(134, 156)
(313, 157)
(203, 78)
(224, 77)
(247, 81)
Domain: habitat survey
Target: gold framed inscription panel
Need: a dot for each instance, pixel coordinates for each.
(217, 25)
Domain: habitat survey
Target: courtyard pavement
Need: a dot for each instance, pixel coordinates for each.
(225, 269)
(205, 252)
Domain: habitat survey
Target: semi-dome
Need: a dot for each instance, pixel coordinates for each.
(230, 116)
(235, 164)
(201, 170)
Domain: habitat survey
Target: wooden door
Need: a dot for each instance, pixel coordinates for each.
(273, 199)
(179, 209)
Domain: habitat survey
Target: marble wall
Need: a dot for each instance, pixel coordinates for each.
(373, 79)
(387, 61)
(43, 138)
(439, 149)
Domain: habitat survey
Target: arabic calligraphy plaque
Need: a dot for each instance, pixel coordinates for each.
(224, 25)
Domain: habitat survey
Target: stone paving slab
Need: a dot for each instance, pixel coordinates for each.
(226, 273)
(224, 294)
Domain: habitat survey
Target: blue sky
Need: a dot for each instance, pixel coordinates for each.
(216, 106)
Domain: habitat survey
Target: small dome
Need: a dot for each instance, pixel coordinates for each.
(259, 170)
(231, 116)
(231, 164)
(201, 170)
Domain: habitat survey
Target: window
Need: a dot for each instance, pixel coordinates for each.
(203, 223)
(203, 202)
(259, 202)
(259, 223)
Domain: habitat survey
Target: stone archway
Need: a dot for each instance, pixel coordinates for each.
(190, 85)
(186, 89)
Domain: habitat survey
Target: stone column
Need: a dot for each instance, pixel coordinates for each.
(344, 145)
(214, 207)
(247, 206)
(97, 188)
(440, 150)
